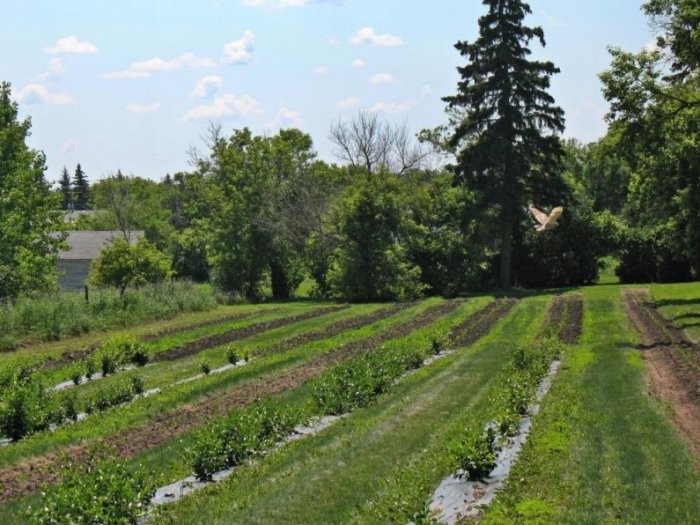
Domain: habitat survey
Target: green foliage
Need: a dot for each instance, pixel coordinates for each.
(503, 123)
(117, 393)
(27, 316)
(654, 112)
(32, 223)
(205, 367)
(25, 407)
(105, 490)
(230, 441)
(648, 255)
(124, 264)
(231, 355)
(125, 349)
(80, 189)
(371, 263)
(476, 453)
(570, 255)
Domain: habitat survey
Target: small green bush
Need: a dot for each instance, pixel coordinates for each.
(90, 367)
(104, 491)
(231, 355)
(476, 453)
(205, 367)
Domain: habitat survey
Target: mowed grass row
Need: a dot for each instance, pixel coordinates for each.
(602, 449)
(167, 457)
(680, 303)
(334, 477)
(140, 411)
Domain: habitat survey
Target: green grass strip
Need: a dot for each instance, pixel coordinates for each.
(601, 450)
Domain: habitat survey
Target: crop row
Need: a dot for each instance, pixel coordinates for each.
(250, 431)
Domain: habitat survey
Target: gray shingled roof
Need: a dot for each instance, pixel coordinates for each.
(87, 245)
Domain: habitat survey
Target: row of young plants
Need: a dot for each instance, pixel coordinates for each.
(472, 444)
(28, 405)
(187, 392)
(475, 453)
(249, 432)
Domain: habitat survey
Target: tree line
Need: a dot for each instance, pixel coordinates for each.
(390, 221)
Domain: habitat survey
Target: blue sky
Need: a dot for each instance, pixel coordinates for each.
(133, 85)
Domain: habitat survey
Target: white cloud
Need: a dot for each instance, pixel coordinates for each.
(552, 20)
(287, 118)
(240, 51)
(207, 87)
(227, 105)
(143, 108)
(350, 102)
(146, 68)
(358, 62)
(71, 45)
(69, 146)
(366, 35)
(382, 78)
(333, 41)
(39, 94)
(321, 70)
(585, 120)
(55, 69)
(401, 106)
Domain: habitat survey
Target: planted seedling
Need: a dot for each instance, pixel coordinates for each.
(231, 355)
(205, 368)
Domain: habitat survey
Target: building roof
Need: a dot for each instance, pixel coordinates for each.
(87, 245)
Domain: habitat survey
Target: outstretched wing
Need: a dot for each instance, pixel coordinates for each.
(539, 216)
(554, 214)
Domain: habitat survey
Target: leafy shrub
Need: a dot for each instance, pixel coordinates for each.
(231, 355)
(126, 349)
(104, 491)
(25, 408)
(136, 384)
(69, 403)
(228, 442)
(205, 367)
(108, 362)
(76, 373)
(90, 367)
(649, 256)
(111, 395)
(476, 453)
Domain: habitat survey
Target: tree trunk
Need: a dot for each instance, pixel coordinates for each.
(506, 249)
(280, 285)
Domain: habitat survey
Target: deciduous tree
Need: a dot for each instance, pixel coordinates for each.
(30, 216)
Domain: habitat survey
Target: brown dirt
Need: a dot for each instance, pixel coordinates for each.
(671, 359)
(210, 322)
(34, 473)
(480, 323)
(334, 329)
(211, 341)
(564, 318)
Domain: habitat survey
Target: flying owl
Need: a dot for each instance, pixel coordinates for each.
(547, 222)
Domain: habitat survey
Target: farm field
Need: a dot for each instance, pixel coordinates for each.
(411, 380)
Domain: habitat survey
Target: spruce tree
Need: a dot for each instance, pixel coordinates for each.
(503, 123)
(65, 190)
(81, 190)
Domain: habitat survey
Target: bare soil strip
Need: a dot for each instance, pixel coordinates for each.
(211, 341)
(40, 471)
(334, 329)
(565, 318)
(480, 323)
(672, 376)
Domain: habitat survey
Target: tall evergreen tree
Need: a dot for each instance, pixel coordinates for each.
(81, 189)
(503, 122)
(65, 190)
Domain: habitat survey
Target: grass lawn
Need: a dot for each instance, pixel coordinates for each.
(602, 450)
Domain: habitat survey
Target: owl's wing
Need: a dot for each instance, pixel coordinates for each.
(541, 217)
(555, 214)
